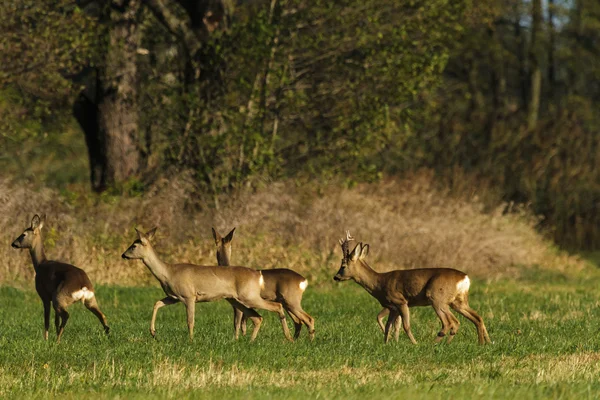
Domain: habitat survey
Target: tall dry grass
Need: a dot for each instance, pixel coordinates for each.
(408, 222)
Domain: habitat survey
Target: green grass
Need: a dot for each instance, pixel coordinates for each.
(544, 328)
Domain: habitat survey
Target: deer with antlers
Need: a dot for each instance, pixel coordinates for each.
(398, 290)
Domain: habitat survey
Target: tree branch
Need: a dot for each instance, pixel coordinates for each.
(182, 29)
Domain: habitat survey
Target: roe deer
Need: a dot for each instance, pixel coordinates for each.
(281, 285)
(398, 290)
(55, 282)
(189, 283)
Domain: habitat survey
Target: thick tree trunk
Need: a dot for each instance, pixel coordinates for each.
(107, 110)
(117, 94)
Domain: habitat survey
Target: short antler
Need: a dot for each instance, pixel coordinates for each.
(344, 243)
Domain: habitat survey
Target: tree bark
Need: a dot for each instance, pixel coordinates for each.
(551, 46)
(107, 110)
(534, 62)
(117, 106)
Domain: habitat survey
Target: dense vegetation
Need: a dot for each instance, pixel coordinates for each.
(504, 93)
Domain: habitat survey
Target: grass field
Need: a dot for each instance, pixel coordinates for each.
(544, 328)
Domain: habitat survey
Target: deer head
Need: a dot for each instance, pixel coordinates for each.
(140, 247)
(26, 239)
(223, 247)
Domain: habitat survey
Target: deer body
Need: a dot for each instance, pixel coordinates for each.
(58, 284)
(281, 285)
(397, 291)
(189, 283)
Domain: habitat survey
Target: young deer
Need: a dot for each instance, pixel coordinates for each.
(281, 285)
(189, 284)
(56, 282)
(398, 290)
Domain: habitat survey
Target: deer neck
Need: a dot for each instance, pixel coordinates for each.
(367, 277)
(223, 258)
(38, 256)
(159, 269)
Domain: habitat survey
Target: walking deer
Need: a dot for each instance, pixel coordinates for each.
(282, 285)
(57, 283)
(441, 288)
(189, 284)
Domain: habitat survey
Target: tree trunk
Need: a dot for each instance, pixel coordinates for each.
(117, 105)
(535, 71)
(551, 46)
(520, 40)
(108, 113)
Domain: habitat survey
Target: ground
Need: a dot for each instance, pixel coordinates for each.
(544, 328)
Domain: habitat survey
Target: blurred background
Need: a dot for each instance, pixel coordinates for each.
(445, 133)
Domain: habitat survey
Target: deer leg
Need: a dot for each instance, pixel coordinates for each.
(167, 301)
(382, 314)
(463, 309)
(390, 322)
(237, 321)
(439, 310)
(190, 305)
(259, 302)
(297, 323)
(46, 318)
(248, 313)
(243, 320)
(64, 315)
(455, 324)
(405, 314)
(304, 318)
(92, 305)
(396, 328)
(56, 321)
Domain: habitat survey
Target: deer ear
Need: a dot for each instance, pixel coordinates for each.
(229, 236)
(364, 252)
(150, 233)
(140, 234)
(216, 236)
(356, 252)
(35, 222)
(42, 220)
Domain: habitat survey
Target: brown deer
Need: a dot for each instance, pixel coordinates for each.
(441, 288)
(57, 283)
(189, 284)
(281, 285)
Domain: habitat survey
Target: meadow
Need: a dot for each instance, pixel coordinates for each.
(540, 304)
(544, 327)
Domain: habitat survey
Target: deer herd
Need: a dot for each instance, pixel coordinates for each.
(277, 290)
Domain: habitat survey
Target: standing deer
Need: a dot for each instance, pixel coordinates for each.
(57, 283)
(189, 284)
(398, 290)
(281, 285)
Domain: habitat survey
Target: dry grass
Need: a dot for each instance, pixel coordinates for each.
(409, 223)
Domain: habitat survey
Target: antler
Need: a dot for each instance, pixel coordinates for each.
(344, 243)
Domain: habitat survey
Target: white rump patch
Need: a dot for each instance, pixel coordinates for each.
(82, 294)
(463, 285)
(303, 285)
(261, 281)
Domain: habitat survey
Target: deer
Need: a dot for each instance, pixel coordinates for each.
(58, 284)
(282, 285)
(189, 284)
(398, 290)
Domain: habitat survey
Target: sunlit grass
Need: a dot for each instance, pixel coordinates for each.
(544, 333)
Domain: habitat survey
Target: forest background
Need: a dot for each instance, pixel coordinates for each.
(205, 101)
